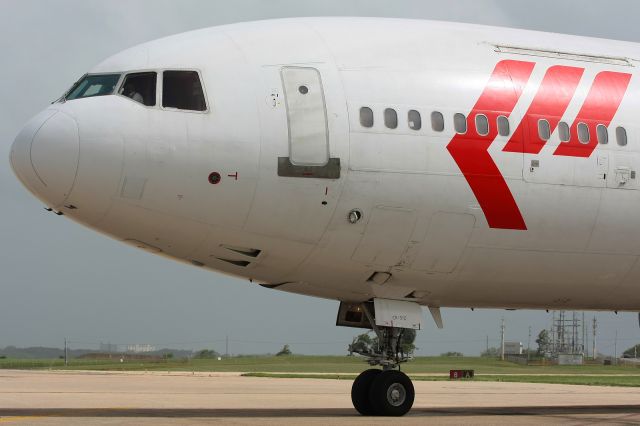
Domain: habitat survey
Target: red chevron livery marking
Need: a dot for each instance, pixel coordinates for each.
(600, 107)
(556, 91)
(469, 151)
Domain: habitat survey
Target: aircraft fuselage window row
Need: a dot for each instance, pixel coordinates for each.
(482, 126)
(181, 89)
(584, 134)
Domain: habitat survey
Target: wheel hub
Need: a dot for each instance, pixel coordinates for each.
(396, 394)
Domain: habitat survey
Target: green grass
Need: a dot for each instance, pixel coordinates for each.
(343, 367)
(317, 364)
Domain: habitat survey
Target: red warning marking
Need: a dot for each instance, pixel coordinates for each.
(600, 106)
(470, 151)
(499, 97)
(554, 95)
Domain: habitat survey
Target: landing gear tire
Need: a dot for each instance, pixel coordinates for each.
(391, 393)
(360, 392)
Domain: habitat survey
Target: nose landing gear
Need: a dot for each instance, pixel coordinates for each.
(386, 391)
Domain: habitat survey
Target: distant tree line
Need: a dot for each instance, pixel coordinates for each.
(284, 351)
(206, 354)
(632, 352)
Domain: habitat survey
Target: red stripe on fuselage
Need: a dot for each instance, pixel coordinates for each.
(554, 95)
(600, 106)
(469, 151)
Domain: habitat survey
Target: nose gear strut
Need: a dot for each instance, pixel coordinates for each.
(388, 352)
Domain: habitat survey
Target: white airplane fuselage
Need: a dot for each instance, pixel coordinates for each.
(263, 183)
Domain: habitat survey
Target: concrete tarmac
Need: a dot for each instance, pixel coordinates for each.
(154, 398)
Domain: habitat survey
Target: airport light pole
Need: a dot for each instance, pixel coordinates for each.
(594, 354)
(615, 348)
(584, 336)
(586, 341)
(66, 363)
(502, 340)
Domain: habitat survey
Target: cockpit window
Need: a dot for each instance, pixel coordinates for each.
(182, 90)
(93, 85)
(141, 87)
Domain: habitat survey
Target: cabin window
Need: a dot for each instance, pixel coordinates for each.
(482, 125)
(564, 132)
(603, 134)
(544, 130)
(366, 117)
(437, 121)
(583, 133)
(460, 123)
(183, 90)
(621, 136)
(390, 118)
(415, 120)
(140, 87)
(93, 85)
(504, 129)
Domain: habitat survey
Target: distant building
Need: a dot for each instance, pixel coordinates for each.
(108, 347)
(570, 359)
(140, 348)
(513, 348)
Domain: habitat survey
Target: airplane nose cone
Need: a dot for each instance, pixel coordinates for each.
(45, 155)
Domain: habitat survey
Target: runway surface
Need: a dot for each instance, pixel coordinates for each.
(80, 398)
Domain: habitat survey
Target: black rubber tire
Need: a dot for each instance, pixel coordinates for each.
(360, 392)
(378, 393)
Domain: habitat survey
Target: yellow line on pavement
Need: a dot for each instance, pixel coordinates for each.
(19, 418)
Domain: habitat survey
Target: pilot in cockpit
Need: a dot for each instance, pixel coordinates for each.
(130, 92)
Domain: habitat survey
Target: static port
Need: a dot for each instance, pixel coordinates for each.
(215, 178)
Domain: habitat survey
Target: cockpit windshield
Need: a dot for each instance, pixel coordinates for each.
(93, 85)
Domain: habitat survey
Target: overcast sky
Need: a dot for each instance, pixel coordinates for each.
(59, 279)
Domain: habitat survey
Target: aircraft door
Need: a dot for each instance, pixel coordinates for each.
(301, 145)
(308, 126)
